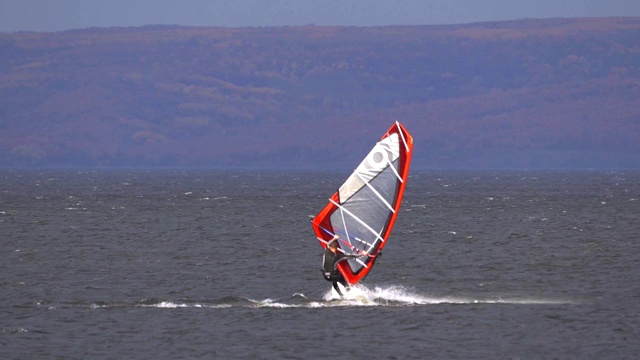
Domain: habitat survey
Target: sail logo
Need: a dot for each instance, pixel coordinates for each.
(383, 154)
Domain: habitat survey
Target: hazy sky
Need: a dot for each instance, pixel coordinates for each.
(55, 15)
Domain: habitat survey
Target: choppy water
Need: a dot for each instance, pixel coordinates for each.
(209, 264)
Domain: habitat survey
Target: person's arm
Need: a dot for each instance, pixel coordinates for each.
(360, 254)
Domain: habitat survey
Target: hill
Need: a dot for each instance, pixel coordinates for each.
(556, 93)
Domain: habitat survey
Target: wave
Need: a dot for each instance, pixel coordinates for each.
(358, 295)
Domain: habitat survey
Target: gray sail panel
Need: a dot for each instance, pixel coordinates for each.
(365, 215)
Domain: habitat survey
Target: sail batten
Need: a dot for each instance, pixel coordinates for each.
(358, 220)
(380, 197)
(396, 172)
(364, 209)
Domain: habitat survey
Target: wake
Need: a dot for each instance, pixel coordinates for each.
(400, 296)
(357, 296)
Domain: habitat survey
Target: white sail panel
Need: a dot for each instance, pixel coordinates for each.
(385, 152)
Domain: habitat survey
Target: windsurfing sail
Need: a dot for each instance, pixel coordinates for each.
(363, 210)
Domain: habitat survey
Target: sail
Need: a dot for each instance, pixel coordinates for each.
(363, 210)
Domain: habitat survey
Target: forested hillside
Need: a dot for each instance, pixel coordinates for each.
(559, 93)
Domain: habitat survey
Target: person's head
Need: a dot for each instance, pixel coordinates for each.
(333, 244)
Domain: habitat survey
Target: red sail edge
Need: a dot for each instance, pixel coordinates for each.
(350, 242)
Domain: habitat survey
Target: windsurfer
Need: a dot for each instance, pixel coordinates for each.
(330, 262)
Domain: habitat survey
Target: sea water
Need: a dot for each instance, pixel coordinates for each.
(184, 264)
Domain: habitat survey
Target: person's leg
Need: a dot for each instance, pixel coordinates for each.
(335, 286)
(344, 283)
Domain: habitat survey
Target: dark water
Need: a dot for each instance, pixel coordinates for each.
(206, 264)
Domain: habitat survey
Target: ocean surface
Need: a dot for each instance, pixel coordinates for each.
(188, 264)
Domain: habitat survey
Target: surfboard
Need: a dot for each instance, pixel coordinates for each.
(354, 295)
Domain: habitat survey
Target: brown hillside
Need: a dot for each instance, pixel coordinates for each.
(521, 94)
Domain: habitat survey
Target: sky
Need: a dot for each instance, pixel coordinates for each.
(59, 15)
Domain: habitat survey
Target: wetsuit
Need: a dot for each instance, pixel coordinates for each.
(330, 270)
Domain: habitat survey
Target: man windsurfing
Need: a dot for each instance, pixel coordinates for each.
(330, 260)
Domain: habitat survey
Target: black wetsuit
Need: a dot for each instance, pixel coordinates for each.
(330, 270)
